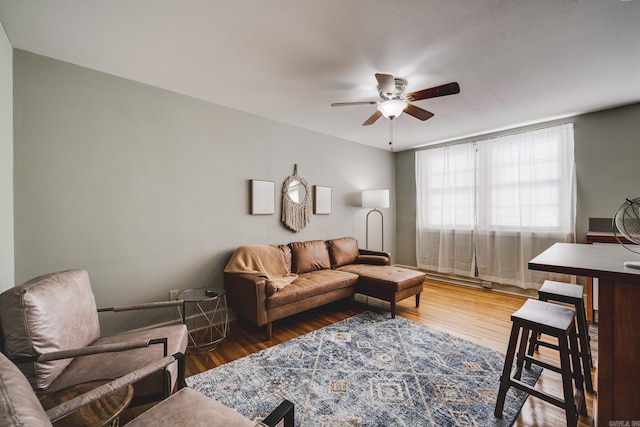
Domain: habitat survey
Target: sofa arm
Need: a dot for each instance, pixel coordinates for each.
(247, 296)
(366, 256)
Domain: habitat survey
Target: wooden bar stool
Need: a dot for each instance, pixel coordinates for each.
(567, 293)
(550, 319)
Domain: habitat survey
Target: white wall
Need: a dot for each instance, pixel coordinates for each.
(6, 163)
(148, 189)
(607, 154)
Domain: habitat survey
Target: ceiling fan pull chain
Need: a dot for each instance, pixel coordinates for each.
(391, 134)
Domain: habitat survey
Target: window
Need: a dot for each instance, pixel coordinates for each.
(519, 186)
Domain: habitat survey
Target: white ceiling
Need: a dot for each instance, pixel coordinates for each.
(517, 61)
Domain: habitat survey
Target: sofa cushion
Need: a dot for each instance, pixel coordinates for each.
(37, 318)
(385, 276)
(19, 405)
(286, 255)
(342, 251)
(311, 284)
(309, 256)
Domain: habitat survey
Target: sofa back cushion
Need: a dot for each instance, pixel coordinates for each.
(342, 251)
(286, 255)
(53, 312)
(309, 256)
(19, 405)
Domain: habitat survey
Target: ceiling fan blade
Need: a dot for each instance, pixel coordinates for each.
(418, 112)
(434, 92)
(371, 120)
(344, 104)
(387, 84)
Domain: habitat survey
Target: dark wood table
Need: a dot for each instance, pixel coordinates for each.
(618, 380)
(598, 237)
(103, 412)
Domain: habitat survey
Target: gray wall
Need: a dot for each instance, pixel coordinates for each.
(6, 163)
(607, 154)
(148, 189)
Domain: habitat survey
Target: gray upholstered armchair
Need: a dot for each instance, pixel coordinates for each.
(19, 406)
(51, 320)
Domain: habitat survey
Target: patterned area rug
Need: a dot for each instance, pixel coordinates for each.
(369, 370)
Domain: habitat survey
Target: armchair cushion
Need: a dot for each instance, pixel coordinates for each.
(112, 365)
(19, 405)
(48, 313)
(187, 407)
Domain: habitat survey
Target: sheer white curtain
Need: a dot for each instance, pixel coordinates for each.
(445, 179)
(486, 208)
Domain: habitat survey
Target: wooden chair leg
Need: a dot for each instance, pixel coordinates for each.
(577, 372)
(524, 338)
(533, 346)
(567, 384)
(417, 300)
(505, 378)
(585, 349)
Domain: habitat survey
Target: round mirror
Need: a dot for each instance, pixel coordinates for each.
(296, 202)
(297, 191)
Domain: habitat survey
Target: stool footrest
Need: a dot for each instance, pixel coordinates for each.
(537, 393)
(545, 365)
(548, 345)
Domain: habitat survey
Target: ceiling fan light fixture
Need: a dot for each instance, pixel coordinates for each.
(392, 108)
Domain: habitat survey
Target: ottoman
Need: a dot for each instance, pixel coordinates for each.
(388, 283)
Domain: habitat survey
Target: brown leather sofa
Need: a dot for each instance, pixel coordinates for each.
(318, 272)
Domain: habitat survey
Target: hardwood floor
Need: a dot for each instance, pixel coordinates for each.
(478, 315)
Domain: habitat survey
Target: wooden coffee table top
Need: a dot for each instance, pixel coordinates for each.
(99, 413)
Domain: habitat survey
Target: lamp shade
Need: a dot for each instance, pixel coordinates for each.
(375, 199)
(392, 107)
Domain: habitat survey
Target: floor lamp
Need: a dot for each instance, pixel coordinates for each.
(375, 199)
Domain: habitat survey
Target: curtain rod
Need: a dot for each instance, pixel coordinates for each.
(497, 134)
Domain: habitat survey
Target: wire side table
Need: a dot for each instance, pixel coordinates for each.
(205, 315)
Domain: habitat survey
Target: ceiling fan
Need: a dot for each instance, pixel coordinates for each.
(394, 101)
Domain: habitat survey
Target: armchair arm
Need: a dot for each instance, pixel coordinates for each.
(284, 411)
(146, 306)
(108, 348)
(143, 306)
(76, 403)
(247, 295)
(96, 349)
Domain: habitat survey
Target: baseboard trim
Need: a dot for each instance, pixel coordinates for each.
(474, 283)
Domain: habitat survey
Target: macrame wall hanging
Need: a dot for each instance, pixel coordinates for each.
(296, 202)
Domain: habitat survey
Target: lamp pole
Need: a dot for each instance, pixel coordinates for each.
(381, 223)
